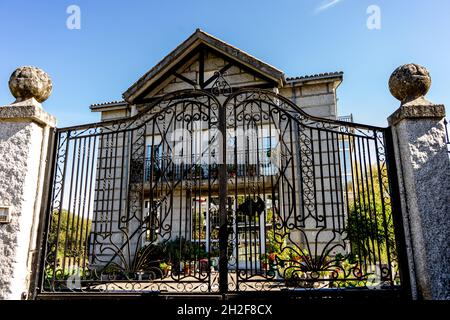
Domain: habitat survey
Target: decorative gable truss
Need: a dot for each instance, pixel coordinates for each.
(199, 62)
(203, 70)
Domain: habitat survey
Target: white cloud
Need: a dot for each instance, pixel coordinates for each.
(327, 5)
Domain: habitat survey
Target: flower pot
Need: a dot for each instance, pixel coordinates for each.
(186, 269)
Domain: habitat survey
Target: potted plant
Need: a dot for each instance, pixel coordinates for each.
(184, 255)
(231, 169)
(264, 261)
(268, 261)
(186, 268)
(165, 268)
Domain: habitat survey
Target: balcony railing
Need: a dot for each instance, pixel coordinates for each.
(346, 118)
(247, 165)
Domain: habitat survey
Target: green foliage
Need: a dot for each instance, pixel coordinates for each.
(181, 249)
(370, 227)
(71, 232)
(198, 226)
(276, 240)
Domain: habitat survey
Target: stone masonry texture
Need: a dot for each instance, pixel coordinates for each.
(16, 179)
(425, 169)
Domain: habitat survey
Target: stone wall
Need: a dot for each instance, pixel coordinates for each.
(24, 138)
(317, 98)
(423, 170)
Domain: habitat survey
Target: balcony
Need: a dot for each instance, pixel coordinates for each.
(248, 165)
(205, 172)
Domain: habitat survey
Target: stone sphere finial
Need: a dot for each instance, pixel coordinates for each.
(409, 82)
(30, 82)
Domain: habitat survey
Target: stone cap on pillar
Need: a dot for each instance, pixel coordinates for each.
(20, 113)
(410, 83)
(30, 86)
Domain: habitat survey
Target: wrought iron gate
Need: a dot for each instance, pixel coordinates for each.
(202, 193)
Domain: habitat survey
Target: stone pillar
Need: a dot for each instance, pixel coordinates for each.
(25, 129)
(423, 167)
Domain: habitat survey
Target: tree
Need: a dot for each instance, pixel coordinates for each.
(71, 233)
(370, 227)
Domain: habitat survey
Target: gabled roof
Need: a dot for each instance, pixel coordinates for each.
(198, 38)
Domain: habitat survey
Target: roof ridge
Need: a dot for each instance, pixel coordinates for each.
(234, 47)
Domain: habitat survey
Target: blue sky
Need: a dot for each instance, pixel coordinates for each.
(120, 40)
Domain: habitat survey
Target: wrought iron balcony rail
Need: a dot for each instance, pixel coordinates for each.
(346, 118)
(247, 165)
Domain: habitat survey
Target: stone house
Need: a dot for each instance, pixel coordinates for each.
(201, 62)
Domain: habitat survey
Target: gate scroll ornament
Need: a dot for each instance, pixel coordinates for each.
(294, 203)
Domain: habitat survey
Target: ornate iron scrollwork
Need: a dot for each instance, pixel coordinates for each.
(122, 207)
(221, 85)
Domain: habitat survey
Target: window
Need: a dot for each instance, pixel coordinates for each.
(152, 215)
(157, 161)
(199, 219)
(267, 160)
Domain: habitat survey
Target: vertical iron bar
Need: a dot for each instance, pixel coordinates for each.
(79, 232)
(337, 175)
(331, 175)
(322, 183)
(301, 205)
(356, 192)
(68, 205)
(223, 232)
(91, 184)
(236, 215)
(367, 210)
(371, 184)
(208, 238)
(262, 173)
(344, 194)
